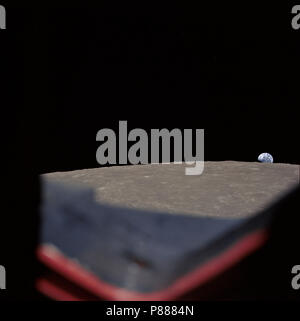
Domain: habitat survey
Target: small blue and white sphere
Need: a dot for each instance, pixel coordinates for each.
(265, 158)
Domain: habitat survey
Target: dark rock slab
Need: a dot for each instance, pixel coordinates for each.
(225, 189)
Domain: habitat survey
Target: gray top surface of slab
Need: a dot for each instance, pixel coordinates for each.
(224, 189)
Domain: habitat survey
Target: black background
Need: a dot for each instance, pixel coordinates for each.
(68, 71)
(226, 69)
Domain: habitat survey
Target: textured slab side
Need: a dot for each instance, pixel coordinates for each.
(225, 189)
